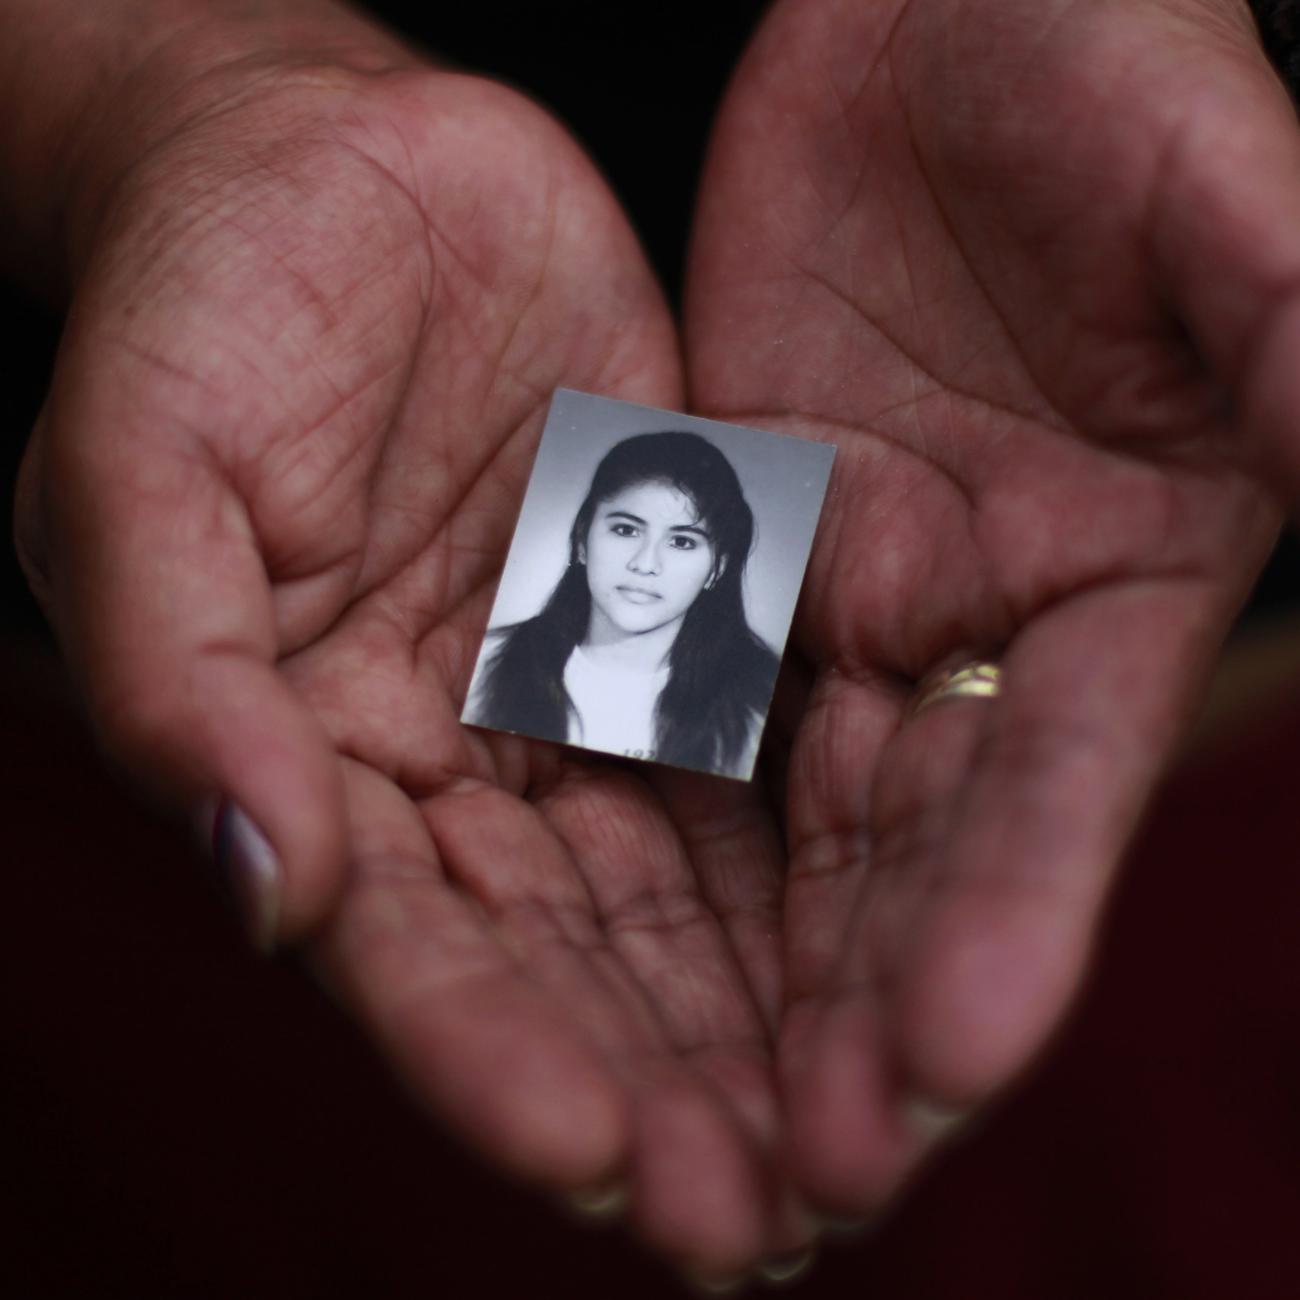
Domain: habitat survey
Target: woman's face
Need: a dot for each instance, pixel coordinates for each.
(648, 557)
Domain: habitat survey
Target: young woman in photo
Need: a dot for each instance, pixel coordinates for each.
(643, 648)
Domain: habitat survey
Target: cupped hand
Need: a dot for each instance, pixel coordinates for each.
(1033, 267)
(318, 317)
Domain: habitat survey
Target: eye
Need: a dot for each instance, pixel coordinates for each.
(621, 529)
(684, 542)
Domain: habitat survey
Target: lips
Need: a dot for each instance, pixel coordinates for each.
(639, 595)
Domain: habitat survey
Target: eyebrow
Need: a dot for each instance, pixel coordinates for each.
(676, 528)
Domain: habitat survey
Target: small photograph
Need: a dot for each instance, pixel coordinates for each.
(650, 584)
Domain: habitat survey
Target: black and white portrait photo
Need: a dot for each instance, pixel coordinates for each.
(650, 585)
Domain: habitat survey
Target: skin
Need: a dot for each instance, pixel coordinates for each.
(647, 560)
(320, 293)
(320, 296)
(1055, 346)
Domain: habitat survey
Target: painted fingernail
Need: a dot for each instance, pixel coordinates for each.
(251, 870)
(933, 1124)
(599, 1204)
(781, 1270)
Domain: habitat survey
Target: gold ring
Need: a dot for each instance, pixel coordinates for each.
(978, 680)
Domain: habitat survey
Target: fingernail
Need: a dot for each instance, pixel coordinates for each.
(706, 1284)
(844, 1228)
(933, 1124)
(783, 1269)
(251, 870)
(599, 1204)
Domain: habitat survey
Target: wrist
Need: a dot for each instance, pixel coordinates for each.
(86, 90)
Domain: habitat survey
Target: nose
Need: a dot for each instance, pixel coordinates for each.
(645, 559)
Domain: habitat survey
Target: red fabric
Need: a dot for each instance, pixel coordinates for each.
(182, 1119)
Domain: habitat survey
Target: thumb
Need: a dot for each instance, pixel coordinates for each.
(144, 556)
(1226, 244)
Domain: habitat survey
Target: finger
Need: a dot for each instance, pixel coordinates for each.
(847, 1147)
(984, 958)
(692, 1171)
(698, 1186)
(737, 857)
(994, 831)
(857, 1131)
(1225, 243)
(658, 920)
(469, 1027)
(158, 591)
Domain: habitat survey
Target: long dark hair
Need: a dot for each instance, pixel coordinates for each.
(720, 673)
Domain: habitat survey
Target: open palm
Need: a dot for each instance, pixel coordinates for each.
(1032, 267)
(298, 400)
(309, 357)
